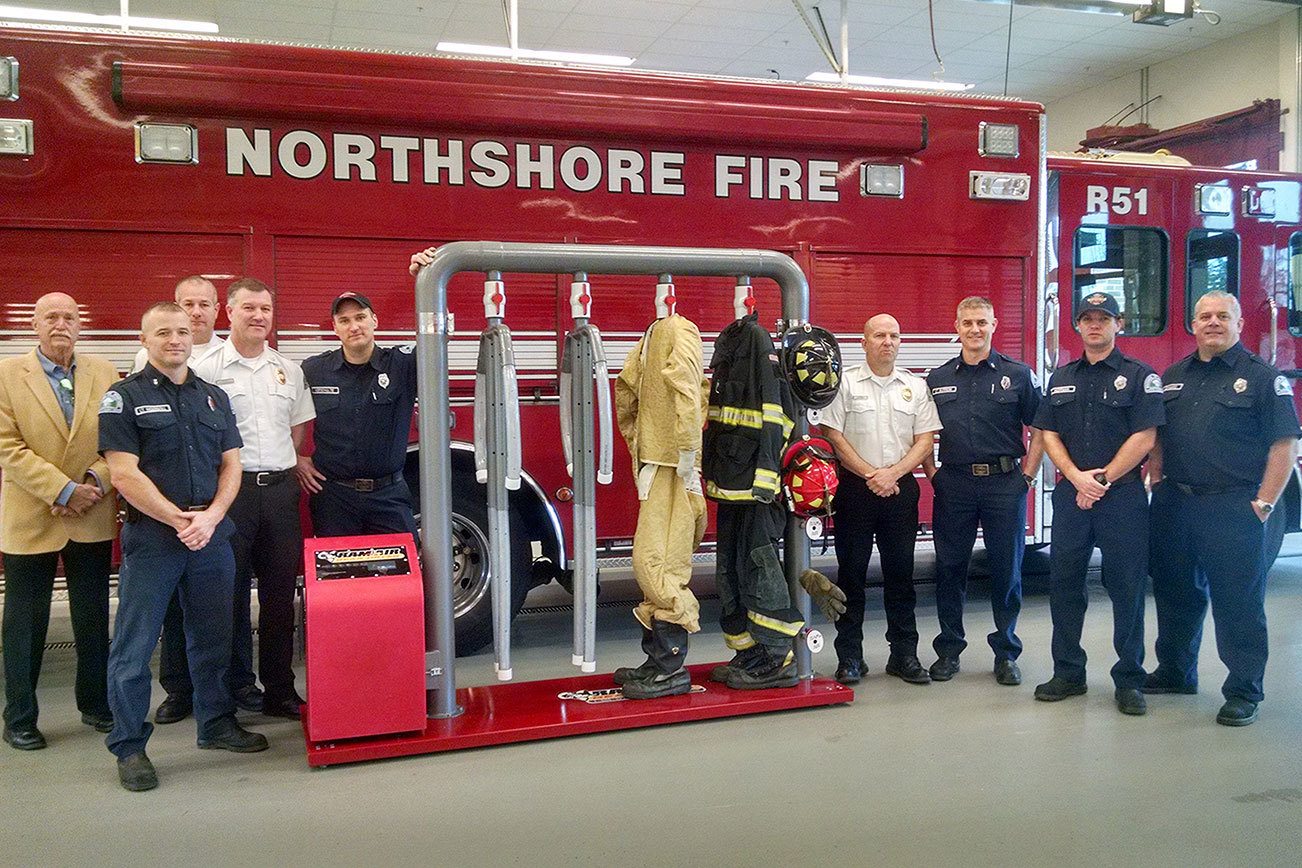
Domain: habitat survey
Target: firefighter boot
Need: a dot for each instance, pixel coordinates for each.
(744, 660)
(648, 667)
(668, 678)
(777, 669)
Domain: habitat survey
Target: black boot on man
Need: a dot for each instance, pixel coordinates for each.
(624, 674)
(743, 661)
(778, 669)
(668, 678)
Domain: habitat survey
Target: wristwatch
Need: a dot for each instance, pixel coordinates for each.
(1031, 479)
(1265, 506)
(1102, 479)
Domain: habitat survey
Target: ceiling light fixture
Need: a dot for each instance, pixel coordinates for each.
(877, 81)
(58, 16)
(531, 54)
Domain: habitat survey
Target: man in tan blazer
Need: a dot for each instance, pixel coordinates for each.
(55, 502)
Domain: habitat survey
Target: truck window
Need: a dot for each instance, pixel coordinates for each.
(1211, 264)
(1128, 263)
(1294, 270)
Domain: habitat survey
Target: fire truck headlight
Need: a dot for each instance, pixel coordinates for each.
(167, 143)
(15, 137)
(997, 140)
(882, 180)
(1012, 186)
(8, 78)
(1213, 199)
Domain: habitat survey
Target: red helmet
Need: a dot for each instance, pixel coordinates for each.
(809, 477)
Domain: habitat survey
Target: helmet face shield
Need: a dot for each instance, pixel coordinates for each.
(811, 364)
(809, 478)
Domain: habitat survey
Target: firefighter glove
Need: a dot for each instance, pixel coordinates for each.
(830, 598)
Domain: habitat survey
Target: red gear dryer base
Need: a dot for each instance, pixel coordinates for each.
(510, 712)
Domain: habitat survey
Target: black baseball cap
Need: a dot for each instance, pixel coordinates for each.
(1096, 301)
(355, 297)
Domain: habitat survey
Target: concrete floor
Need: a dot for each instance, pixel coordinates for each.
(966, 773)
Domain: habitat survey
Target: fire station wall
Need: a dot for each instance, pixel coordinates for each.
(1226, 75)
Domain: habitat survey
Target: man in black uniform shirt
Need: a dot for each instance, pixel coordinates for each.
(985, 400)
(1226, 451)
(364, 396)
(172, 448)
(1099, 421)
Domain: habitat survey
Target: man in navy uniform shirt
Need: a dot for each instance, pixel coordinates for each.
(364, 396)
(1222, 461)
(1099, 420)
(173, 452)
(985, 400)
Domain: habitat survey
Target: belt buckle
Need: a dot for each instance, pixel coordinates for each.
(364, 484)
(258, 480)
(980, 469)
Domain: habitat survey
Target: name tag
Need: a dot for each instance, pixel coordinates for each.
(944, 390)
(1062, 390)
(146, 409)
(325, 390)
(226, 382)
(1172, 387)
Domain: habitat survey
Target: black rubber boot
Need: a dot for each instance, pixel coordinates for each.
(624, 673)
(669, 678)
(778, 669)
(743, 660)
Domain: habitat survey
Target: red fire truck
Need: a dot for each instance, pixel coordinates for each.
(128, 161)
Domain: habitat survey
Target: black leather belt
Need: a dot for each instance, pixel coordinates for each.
(263, 478)
(1210, 489)
(1001, 465)
(368, 484)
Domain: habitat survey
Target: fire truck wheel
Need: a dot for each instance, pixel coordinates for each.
(472, 599)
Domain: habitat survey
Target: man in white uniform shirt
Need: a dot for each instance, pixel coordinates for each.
(882, 424)
(198, 298)
(272, 407)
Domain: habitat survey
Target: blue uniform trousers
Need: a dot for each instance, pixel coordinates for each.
(1118, 526)
(338, 510)
(998, 504)
(1210, 546)
(155, 564)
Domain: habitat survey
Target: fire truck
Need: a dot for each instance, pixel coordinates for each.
(129, 161)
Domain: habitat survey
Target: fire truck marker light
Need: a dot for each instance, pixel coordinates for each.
(8, 78)
(167, 143)
(15, 137)
(1014, 187)
(876, 180)
(1213, 199)
(997, 140)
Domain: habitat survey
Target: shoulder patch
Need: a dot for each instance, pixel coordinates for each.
(111, 402)
(146, 409)
(1062, 390)
(407, 348)
(1153, 384)
(1283, 386)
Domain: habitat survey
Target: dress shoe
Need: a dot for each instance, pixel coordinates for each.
(291, 707)
(229, 735)
(1059, 688)
(1131, 701)
(850, 671)
(1237, 712)
(136, 773)
(1008, 673)
(173, 709)
(24, 739)
(944, 668)
(908, 668)
(1158, 682)
(99, 722)
(248, 698)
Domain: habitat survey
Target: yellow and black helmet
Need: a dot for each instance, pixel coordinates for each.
(811, 363)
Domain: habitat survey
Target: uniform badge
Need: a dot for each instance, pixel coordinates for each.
(906, 393)
(1005, 383)
(111, 402)
(1283, 386)
(1152, 385)
(383, 380)
(1120, 382)
(280, 376)
(1240, 385)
